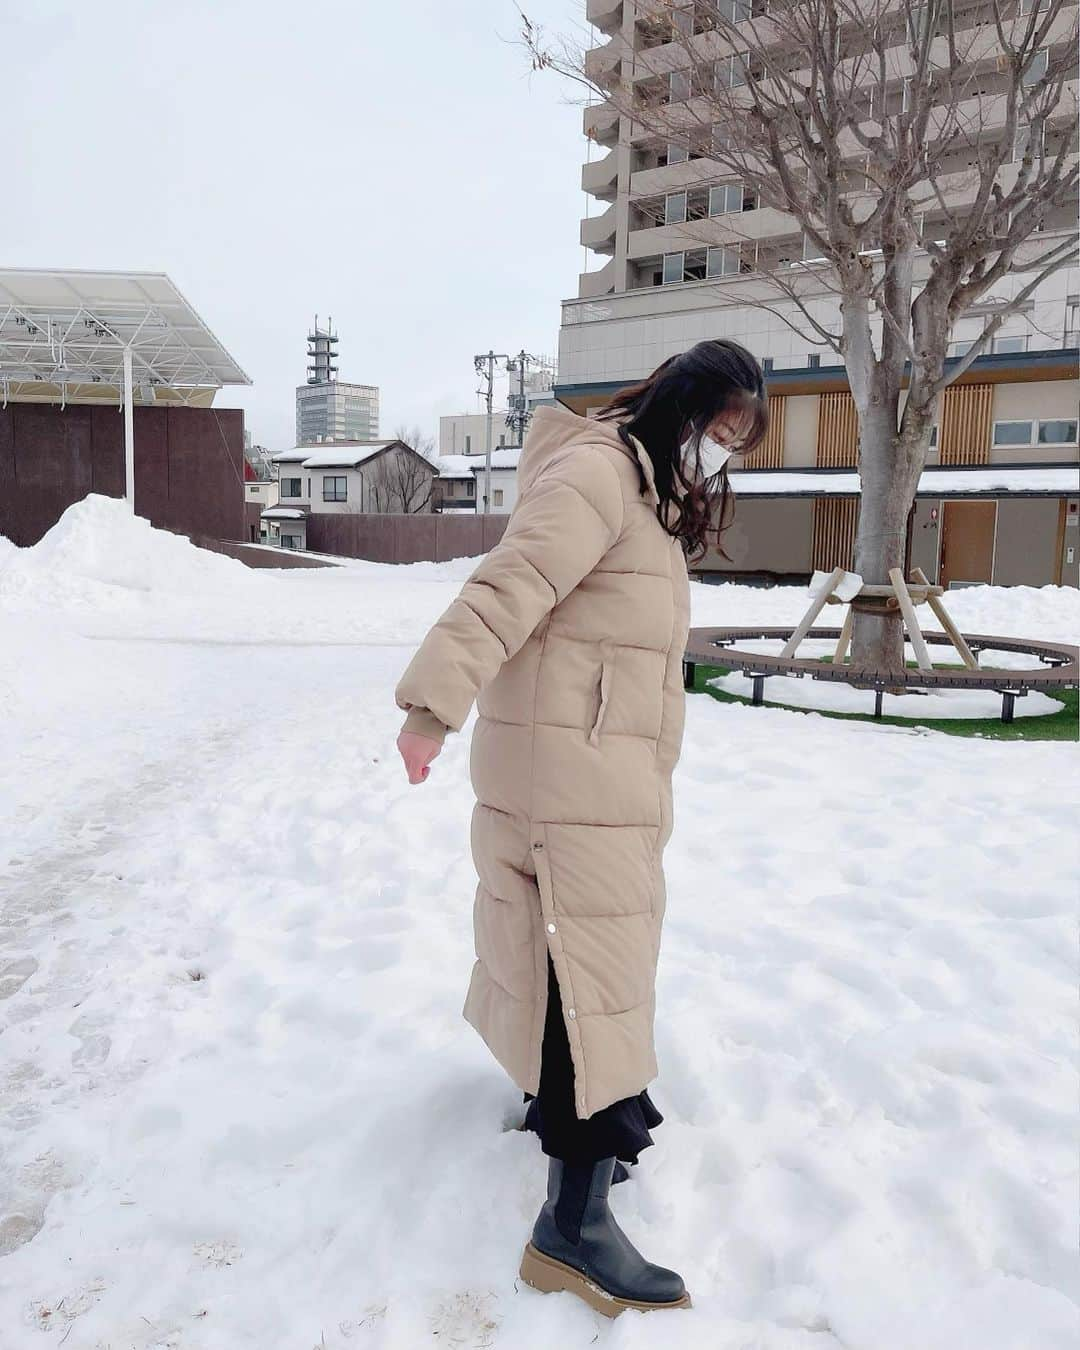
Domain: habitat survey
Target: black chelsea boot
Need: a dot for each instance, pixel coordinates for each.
(576, 1245)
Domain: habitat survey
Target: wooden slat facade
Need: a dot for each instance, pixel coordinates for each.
(835, 519)
(770, 453)
(838, 431)
(964, 431)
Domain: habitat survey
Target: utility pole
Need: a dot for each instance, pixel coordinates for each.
(517, 418)
(485, 367)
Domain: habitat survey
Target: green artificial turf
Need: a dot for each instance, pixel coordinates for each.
(1059, 726)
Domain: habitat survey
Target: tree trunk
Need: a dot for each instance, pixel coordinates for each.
(889, 478)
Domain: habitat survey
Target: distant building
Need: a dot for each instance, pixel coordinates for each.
(466, 433)
(351, 478)
(460, 482)
(329, 409)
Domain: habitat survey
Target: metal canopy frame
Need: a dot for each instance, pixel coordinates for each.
(99, 336)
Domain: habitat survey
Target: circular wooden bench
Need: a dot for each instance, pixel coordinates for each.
(1058, 665)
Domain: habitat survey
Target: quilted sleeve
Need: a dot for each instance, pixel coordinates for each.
(557, 533)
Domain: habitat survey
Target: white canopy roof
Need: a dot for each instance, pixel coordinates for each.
(67, 331)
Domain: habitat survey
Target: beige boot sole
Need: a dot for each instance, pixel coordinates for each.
(551, 1277)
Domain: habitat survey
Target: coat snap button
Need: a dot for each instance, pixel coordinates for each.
(551, 928)
(571, 1012)
(538, 846)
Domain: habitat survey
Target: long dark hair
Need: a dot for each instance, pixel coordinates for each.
(671, 411)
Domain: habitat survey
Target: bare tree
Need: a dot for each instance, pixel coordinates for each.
(925, 152)
(420, 441)
(400, 481)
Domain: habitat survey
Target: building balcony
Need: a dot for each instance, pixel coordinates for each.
(732, 228)
(600, 178)
(598, 232)
(600, 122)
(602, 282)
(602, 63)
(604, 14)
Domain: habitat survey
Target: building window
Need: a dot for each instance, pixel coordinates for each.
(1037, 69)
(335, 488)
(1057, 433)
(730, 71)
(933, 436)
(678, 152)
(1012, 433)
(1023, 139)
(675, 208)
(496, 496)
(959, 348)
(292, 487)
(722, 262)
(678, 86)
(810, 251)
(673, 268)
(470, 488)
(726, 200)
(1010, 344)
(917, 22)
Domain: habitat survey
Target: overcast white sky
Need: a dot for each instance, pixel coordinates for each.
(394, 165)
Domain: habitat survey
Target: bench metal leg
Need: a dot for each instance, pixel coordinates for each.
(759, 690)
(1008, 704)
(689, 669)
(878, 695)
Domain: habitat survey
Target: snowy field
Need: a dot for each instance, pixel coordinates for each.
(239, 1106)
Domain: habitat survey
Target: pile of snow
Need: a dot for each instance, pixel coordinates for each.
(99, 552)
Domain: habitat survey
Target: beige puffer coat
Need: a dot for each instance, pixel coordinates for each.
(569, 635)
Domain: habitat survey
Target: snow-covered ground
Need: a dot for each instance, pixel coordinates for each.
(239, 1106)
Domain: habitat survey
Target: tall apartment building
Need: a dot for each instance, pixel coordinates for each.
(329, 409)
(999, 498)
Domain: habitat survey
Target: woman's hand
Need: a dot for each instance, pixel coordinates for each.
(417, 751)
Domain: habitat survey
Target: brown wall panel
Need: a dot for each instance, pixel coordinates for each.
(7, 472)
(835, 521)
(838, 430)
(252, 522)
(414, 537)
(352, 536)
(494, 527)
(770, 453)
(188, 466)
(964, 432)
(107, 449)
(460, 537)
(152, 466)
(206, 470)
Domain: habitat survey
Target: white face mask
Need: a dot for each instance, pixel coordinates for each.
(713, 455)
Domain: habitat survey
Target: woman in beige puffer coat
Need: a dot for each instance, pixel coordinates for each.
(569, 637)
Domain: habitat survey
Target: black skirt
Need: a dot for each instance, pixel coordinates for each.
(620, 1130)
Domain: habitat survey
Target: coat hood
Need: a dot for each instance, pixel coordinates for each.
(553, 429)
